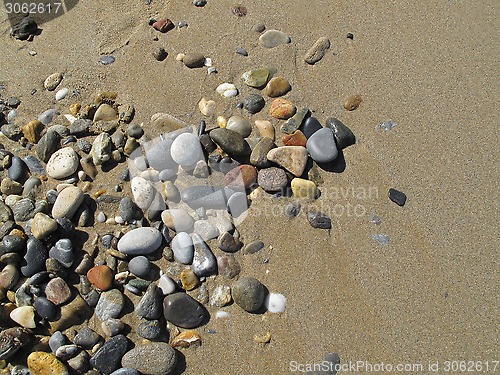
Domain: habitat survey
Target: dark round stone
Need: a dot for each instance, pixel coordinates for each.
(253, 103)
(107, 359)
(248, 293)
(310, 126)
(46, 309)
(344, 137)
(397, 197)
(127, 209)
(183, 310)
(13, 244)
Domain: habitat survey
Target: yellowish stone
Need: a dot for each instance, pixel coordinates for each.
(189, 279)
(41, 363)
(266, 129)
(302, 188)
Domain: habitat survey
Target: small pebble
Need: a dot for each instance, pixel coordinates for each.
(248, 293)
(273, 38)
(382, 239)
(275, 303)
(107, 60)
(352, 102)
(319, 220)
(241, 51)
(397, 197)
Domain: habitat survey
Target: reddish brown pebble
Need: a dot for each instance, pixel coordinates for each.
(282, 109)
(243, 175)
(297, 138)
(239, 10)
(352, 102)
(101, 277)
(57, 291)
(163, 25)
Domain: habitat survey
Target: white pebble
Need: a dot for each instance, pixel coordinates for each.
(47, 116)
(119, 220)
(227, 90)
(167, 285)
(275, 303)
(61, 94)
(221, 314)
(81, 175)
(230, 93)
(101, 217)
(180, 57)
(208, 62)
(12, 115)
(70, 118)
(207, 107)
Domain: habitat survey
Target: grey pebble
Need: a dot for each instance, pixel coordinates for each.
(139, 266)
(36, 254)
(63, 252)
(319, 220)
(272, 179)
(56, 340)
(107, 358)
(248, 293)
(292, 209)
(241, 51)
(86, 338)
(110, 304)
(18, 170)
(157, 358)
(183, 310)
(149, 329)
(149, 306)
(253, 103)
(107, 60)
(253, 247)
(112, 326)
(46, 309)
(204, 261)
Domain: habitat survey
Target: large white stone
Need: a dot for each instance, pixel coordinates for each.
(140, 241)
(62, 163)
(67, 202)
(186, 150)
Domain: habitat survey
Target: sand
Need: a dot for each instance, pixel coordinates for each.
(431, 294)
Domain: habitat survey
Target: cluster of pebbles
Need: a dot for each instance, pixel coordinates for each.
(189, 190)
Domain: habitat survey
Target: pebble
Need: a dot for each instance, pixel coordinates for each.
(159, 156)
(186, 339)
(243, 176)
(228, 266)
(156, 358)
(297, 138)
(178, 220)
(194, 60)
(32, 131)
(183, 311)
(80, 127)
(265, 128)
(56, 340)
(10, 187)
(317, 50)
(13, 339)
(111, 327)
(352, 102)
(227, 242)
(57, 291)
(101, 277)
(205, 229)
(239, 10)
(52, 81)
(139, 266)
(105, 112)
(199, 3)
(66, 352)
(41, 363)
(273, 38)
(163, 25)
(230, 141)
(62, 163)
(206, 196)
(304, 188)
(206, 107)
(295, 121)
(272, 179)
(140, 241)
(240, 125)
(344, 137)
(67, 202)
(227, 90)
(182, 246)
(292, 158)
(62, 251)
(149, 329)
(241, 51)
(36, 254)
(221, 296)
(46, 117)
(20, 370)
(321, 146)
(189, 279)
(204, 261)
(172, 194)
(277, 86)
(107, 358)
(107, 60)
(258, 27)
(186, 150)
(386, 125)
(201, 169)
(319, 220)
(248, 293)
(258, 157)
(397, 196)
(150, 305)
(292, 209)
(275, 302)
(23, 209)
(110, 305)
(255, 78)
(18, 170)
(160, 54)
(282, 109)
(24, 316)
(101, 149)
(310, 126)
(382, 239)
(167, 285)
(253, 247)
(80, 362)
(45, 309)
(253, 103)
(86, 338)
(61, 94)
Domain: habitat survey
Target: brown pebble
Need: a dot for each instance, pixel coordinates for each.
(32, 131)
(57, 291)
(75, 108)
(242, 176)
(282, 109)
(239, 10)
(352, 102)
(163, 25)
(277, 86)
(297, 138)
(101, 277)
(160, 54)
(186, 339)
(188, 279)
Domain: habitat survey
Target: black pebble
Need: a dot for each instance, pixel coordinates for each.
(397, 197)
(310, 126)
(350, 36)
(319, 220)
(46, 309)
(24, 29)
(107, 358)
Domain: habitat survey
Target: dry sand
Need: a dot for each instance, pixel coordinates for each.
(431, 294)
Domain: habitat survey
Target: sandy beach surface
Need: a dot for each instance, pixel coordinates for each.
(429, 295)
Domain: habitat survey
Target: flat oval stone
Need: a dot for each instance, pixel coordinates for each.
(282, 109)
(319, 220)
(110, 305)
(186, 150)
(139, 266)
(156, 358)
(258, 157)
(310, 126)
(240, 125)
(352, 102)
(101, 277)
(292, 158)
(143, 192)
(140, 241)
(67, 202)
(204, 261)
(321, 146)
(52, 81)
(101, 149)
(149, 329)
(304, 188)
(107, 358)
(206, 196)
(272, 38)
(243, 176)
(183, 311)
(194, 60)
(256, 77)
(248, 293)
(277, 86)
(159, 157)
(62, 163)
(230, 141)
(182, 246)
(317, 50)
(46, 363)
(344, 137)
(272, 179)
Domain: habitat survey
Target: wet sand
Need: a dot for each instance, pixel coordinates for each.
(431, 294)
